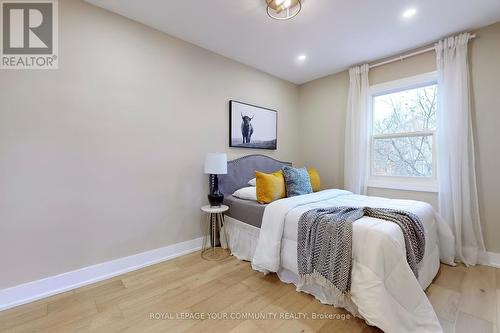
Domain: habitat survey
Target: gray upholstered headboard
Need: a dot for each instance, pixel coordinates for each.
(241, 170)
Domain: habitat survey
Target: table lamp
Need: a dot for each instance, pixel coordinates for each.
(215, 164)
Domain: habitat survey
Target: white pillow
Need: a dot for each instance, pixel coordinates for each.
(252, 182)
(246, 193)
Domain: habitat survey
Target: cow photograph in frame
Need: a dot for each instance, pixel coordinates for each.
(252, 126)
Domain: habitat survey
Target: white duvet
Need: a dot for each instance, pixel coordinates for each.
(384, 289)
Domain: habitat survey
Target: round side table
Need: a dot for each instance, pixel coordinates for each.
(215, 221)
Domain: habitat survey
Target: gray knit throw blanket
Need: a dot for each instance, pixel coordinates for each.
(324, 247)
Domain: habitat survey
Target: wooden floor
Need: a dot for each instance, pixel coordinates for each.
(464, 298)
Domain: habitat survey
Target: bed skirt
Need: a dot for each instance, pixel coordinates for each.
(242, 238)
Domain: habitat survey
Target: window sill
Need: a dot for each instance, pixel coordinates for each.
(415, 186)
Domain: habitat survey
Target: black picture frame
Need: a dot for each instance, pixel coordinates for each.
(267, 138)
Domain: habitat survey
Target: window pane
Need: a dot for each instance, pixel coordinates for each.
(403, 156)
(405, 111)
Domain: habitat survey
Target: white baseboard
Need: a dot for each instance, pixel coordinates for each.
(490, 259)
(35, 290)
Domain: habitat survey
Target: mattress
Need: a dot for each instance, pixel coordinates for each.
(247, 211)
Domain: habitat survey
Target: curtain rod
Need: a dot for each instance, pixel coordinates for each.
(408, 55)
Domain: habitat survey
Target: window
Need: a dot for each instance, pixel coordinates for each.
(403, 134)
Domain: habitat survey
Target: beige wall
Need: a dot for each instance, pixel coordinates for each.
(325, 100)
(486, 118)
(423, 63)
(103, 158)
(322, 127)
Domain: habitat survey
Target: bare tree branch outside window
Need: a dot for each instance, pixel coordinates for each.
(403, 127)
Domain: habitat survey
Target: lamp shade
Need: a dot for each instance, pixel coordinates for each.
(216, 163)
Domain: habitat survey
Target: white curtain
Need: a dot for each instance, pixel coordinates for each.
(458, 204)
(356, 132)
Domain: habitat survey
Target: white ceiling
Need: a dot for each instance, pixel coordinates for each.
(334, 34)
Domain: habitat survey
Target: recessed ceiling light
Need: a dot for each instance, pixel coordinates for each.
(409, 12)
(302, 57)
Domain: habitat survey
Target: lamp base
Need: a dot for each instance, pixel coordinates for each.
(215, 200)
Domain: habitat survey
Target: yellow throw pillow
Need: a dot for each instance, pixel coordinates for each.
(315, 180)
(270, 186)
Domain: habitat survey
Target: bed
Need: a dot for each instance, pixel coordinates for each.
(384, 290)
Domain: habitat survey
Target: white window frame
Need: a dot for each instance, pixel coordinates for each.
(421, 184)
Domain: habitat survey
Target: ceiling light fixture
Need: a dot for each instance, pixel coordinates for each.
(409, 12)
(283, 9)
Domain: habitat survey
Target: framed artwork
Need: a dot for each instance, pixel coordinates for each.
(252, 126)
